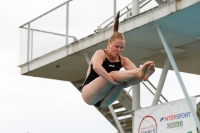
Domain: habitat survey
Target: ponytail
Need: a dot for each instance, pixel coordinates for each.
(116, 34)
(116, 23)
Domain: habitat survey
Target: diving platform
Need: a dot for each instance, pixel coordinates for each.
(177, 21)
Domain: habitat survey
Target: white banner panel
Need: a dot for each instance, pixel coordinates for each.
(172, 117)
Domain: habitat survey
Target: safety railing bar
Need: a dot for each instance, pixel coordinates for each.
(124, 13)
(146, 3)
(196, 96)
(126, 95)
(142, 1)
(112, 16)
(45, 13)
(120, 16)
(127, 92)
(149, 89)
(155, 89)
(49, 32)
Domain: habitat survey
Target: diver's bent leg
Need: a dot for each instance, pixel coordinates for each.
(115, 92)
(99, 88)
(111, 96)
(96, 90)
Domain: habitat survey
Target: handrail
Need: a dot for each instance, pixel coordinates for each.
(45, 13)
(126, 7)
(51, 33)
(119, 16)
(112, 16)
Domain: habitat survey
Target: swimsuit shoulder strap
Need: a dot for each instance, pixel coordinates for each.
(105, 54)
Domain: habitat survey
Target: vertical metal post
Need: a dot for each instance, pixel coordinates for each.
(136, 93)
(135, 97)
(135, 7)
(114, 10)
(161, 82)
(31, 45)
(116, 119)
(67, 22)
(173, 63)
(28, 42)
(28, 45)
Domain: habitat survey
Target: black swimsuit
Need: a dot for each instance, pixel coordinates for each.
(108, 66)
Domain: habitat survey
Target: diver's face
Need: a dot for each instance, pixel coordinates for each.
(116, 47)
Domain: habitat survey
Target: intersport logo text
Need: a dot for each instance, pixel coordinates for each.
(175, 117)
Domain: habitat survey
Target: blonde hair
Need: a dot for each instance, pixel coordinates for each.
(116, 34)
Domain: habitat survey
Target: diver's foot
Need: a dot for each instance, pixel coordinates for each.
(143, 69)
(150, 70)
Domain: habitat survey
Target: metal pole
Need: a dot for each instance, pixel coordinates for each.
(45, 13)
(161, 82)
(116, 119)
(173, 63)
(135, 7)
(51, 33)
(135, 97)
(31, 45)
(67, 22)
(28, 43)
(136, 93)
(114, 11)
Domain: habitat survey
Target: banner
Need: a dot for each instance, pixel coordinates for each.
(171, 117)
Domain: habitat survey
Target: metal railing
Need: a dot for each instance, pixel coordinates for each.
(30, 30)
(123, 11)
(28, 49)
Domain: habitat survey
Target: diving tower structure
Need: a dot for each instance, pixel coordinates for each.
(168, 34)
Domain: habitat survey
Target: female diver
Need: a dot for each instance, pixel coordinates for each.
(104, 82)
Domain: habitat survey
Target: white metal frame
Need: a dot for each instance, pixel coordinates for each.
(28, 45)
(67, 22)
(161, 82)
(135, 88)
(30, 38)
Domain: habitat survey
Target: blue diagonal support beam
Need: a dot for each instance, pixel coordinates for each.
(173, 63)
(161, 82)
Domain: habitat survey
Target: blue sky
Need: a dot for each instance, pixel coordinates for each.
(38, 105)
